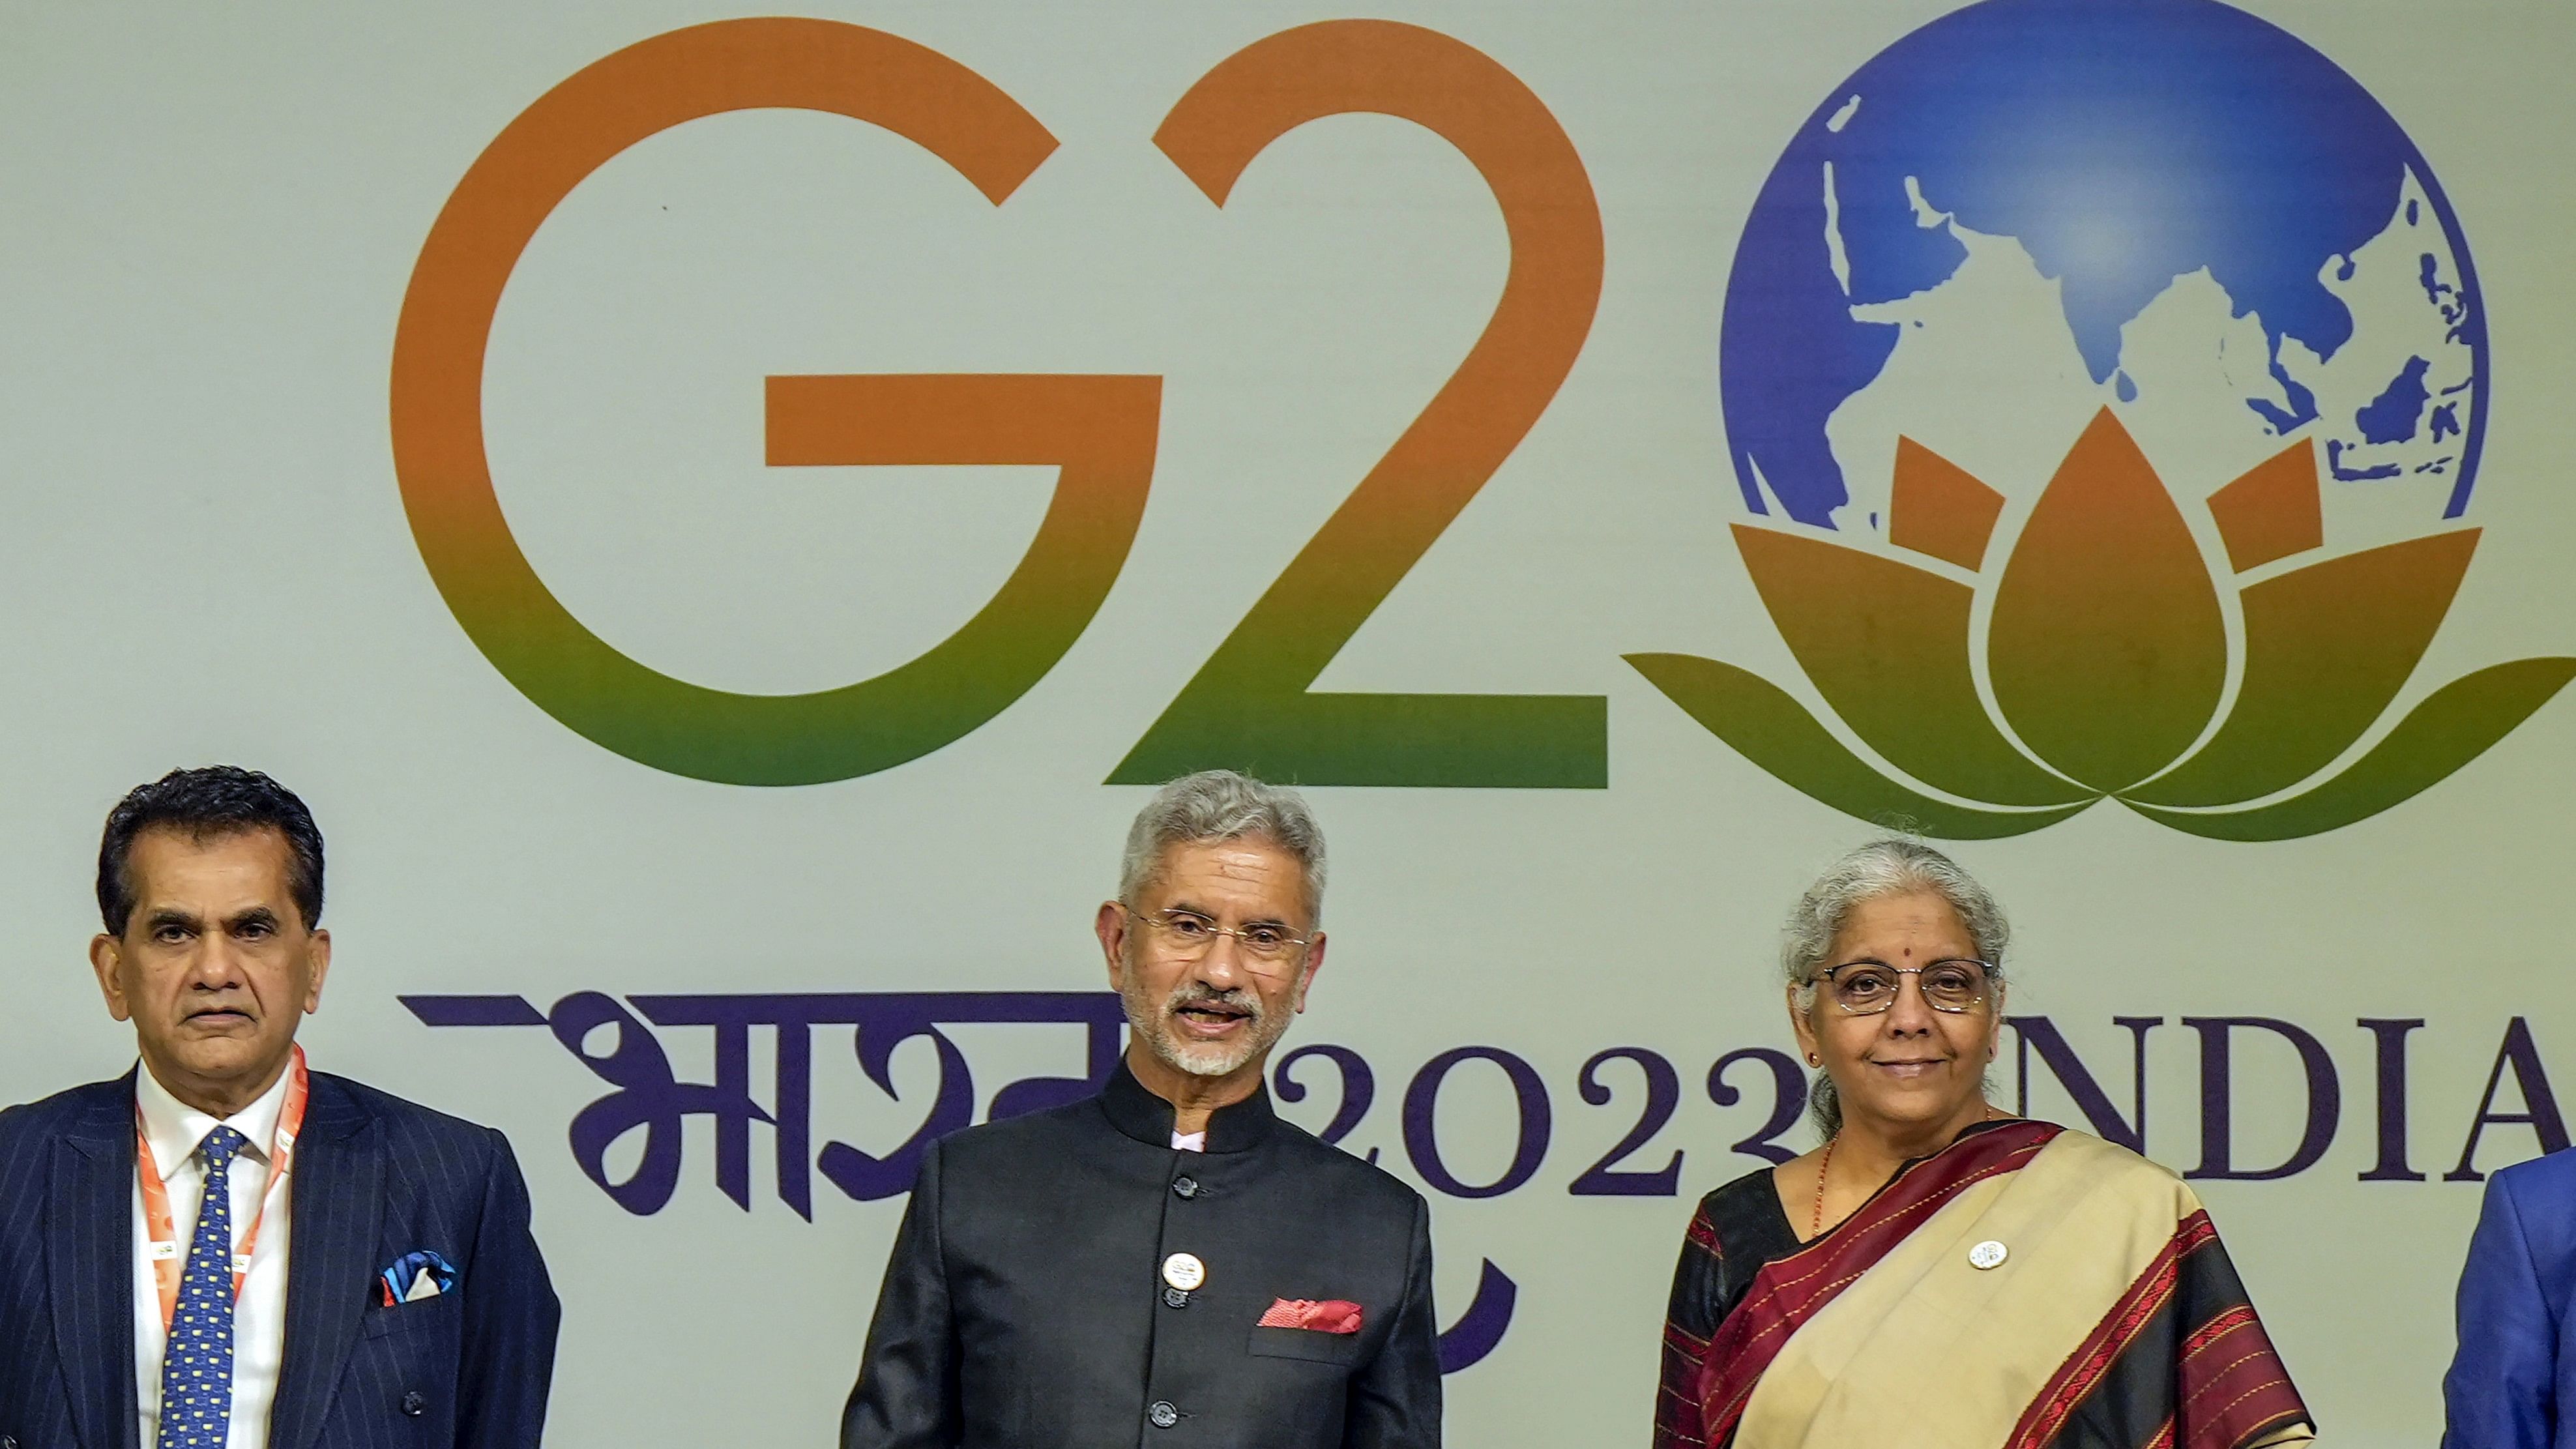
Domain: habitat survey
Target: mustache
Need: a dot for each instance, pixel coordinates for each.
(1200, 994)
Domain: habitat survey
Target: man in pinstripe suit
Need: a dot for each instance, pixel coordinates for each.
(222, 1249)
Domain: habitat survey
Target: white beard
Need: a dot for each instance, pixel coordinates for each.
(1209, 1059)
(1151, 1020)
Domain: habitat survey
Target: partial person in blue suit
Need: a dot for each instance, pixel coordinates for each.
(222, 1249)
(2512, 1384)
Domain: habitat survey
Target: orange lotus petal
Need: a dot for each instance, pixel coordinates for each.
(2273, 511)
(1887, 646)
(1940, 509)
(2107, 645)
(2326, 648)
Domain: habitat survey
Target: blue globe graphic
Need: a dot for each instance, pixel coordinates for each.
(2167, 207)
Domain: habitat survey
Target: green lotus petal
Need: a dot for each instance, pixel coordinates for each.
(2326, 648)
(1775, 732)
(2449, 729)
(1886, 644)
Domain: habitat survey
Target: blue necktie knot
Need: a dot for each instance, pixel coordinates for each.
(220, 1147)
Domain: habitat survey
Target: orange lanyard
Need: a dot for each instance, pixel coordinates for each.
(167, 1257)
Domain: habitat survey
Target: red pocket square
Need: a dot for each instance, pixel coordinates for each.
(1328, 1315)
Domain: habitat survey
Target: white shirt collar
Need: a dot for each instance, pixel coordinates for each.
(1189, 1141)
(175, 1129)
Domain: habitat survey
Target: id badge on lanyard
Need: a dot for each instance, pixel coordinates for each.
(167, 1256)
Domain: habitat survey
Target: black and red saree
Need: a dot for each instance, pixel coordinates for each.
(2027, 1286)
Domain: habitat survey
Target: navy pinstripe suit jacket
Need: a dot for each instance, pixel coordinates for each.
(375, 1177)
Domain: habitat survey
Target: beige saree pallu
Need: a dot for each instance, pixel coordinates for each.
(2028, 1286)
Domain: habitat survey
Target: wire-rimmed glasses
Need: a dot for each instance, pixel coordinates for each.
(1263, 948)
(1866, 988)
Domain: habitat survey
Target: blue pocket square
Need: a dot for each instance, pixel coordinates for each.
(418, 1274)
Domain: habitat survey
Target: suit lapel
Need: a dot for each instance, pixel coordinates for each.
(338, 1196)
(89, 1262)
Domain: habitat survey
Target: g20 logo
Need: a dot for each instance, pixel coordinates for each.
(2021, 253)
(1251, 704)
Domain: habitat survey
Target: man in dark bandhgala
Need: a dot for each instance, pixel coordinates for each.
(1167, 1262)
(223, 1249)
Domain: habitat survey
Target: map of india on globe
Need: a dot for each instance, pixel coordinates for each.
(2030, 210)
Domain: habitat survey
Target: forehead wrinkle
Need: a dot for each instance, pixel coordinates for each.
(1252, 865)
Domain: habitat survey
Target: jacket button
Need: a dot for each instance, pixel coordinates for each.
(7, 1442)
(1163, 1414)
(1185, 1188)
(1172, 1297)
(413, 1403)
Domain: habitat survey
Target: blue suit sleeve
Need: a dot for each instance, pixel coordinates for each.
(507, 1365)
(2499, 1393)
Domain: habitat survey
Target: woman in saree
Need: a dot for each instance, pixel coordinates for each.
(1940, 1272)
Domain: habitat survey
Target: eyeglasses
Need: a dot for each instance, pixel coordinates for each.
(1264, 948)
(1866, 988)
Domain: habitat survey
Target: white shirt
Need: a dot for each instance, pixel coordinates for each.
(1189, 1141)
(174, 1129)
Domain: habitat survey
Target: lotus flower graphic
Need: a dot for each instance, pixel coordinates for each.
(2107, 656)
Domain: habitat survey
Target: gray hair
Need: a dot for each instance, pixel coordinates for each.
(1223, 805)
(1895, 866)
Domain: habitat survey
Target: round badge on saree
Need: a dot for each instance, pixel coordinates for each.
(1988, 1254)
(1184, 1272)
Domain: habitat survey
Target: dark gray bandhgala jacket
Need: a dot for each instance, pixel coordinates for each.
(1025, 1305)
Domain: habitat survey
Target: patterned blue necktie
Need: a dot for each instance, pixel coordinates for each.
(197, 1368)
